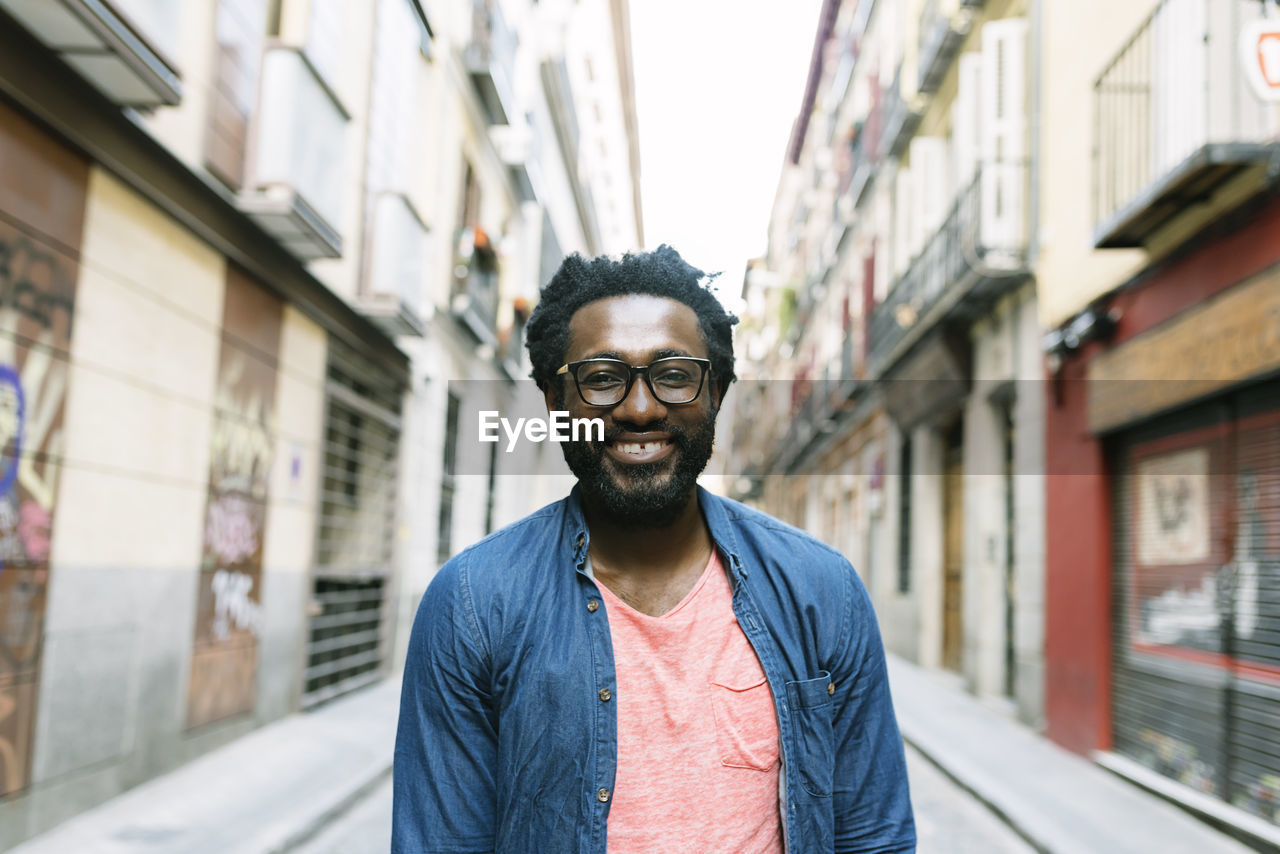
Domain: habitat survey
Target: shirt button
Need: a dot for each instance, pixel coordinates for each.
(605, 695)
(592, 605)
(581, 539)
(603, 795)
(831, 689)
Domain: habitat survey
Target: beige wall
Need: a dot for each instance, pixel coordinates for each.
(1074, 50)
(300, 411)
(143, 362)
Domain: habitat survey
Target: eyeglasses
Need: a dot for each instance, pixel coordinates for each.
(607, 382)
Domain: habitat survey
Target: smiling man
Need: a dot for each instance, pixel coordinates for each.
(644, 666)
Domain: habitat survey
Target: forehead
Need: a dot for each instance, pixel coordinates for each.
(634, 327)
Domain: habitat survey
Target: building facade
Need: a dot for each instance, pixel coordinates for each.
(1018, 325)
(1159, 300)
(257, 258)
(902, 238)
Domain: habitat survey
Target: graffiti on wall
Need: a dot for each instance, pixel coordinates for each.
(42, 202)
(36, 285)
(224, 661)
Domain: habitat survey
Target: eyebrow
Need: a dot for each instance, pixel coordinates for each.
(664, 353)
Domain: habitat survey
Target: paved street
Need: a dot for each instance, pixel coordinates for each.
(363, 829)
(948, 820)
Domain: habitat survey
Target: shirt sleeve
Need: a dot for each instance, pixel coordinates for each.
(872, 801)
(446, 741)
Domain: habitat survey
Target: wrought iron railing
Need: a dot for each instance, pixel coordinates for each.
(1175, 90)
(941, 35)
(901, 119)
(973, 242)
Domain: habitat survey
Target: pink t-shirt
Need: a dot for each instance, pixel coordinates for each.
(697, 733)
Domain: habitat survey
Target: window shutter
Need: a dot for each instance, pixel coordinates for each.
(1003, 110)
(932, 187)
(964, 121)
(903, 204)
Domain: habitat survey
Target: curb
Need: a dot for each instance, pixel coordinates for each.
(330, 814)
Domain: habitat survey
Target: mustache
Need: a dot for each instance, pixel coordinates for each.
(678, 434)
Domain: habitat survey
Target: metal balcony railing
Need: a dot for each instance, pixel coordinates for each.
(1174, 117)
(901, 118)
(475, 303)
(941, 35)
(864, 157)
(978, 252)
(490, 60)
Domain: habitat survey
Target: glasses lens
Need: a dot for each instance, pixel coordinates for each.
(602, 381)
(675, 380)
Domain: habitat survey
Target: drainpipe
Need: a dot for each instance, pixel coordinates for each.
(1033, 164)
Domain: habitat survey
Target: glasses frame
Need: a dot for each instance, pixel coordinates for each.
(571, 368)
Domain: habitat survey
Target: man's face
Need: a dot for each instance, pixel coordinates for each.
(653, 452)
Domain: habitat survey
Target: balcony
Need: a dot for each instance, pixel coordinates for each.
(941, 35)
(295, 194)
(117, 46)
(490, 59)
(475, 287)
(816, 414)
(517, 147)
(392, 293)
(900, 119)
(1175, 118)
(977, 254)
(863, 162)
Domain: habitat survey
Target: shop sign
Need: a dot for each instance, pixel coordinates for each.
(1260, 54)
(1221, 342)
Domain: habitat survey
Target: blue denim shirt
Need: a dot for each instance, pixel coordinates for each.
(506, 743)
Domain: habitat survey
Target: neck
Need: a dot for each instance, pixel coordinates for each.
(621, 549)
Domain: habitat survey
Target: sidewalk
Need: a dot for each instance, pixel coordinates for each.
(308, 768)
(261, 794)
(1057, 801)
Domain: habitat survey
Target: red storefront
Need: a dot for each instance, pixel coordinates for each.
(1163, 530)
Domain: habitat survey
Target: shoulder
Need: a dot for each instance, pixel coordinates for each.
(505, 563)
(500, 570)
(799, 569)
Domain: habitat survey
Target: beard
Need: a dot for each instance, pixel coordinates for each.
(643, 495)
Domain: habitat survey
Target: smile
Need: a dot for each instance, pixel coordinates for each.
(648, 451)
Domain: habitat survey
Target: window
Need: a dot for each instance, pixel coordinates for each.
(904, 519)
(448, 474)
(240, 27)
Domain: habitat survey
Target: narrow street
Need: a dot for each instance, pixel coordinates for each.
(948, 820)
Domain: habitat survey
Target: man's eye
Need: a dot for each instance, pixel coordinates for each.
(601, 379)
(673, 376)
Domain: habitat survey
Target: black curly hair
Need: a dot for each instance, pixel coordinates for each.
(661, 272)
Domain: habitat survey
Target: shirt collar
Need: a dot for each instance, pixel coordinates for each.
(714, 509)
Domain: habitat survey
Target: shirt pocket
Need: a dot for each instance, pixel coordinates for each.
(745, 721)
(810, 701)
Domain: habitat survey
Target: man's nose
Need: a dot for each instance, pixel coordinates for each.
(639, 406)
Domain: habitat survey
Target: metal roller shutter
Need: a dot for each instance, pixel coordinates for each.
(356, 532)
(1196, 670)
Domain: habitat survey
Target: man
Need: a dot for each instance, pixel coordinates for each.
(644, 666)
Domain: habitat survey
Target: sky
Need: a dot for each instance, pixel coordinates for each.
(718, 86)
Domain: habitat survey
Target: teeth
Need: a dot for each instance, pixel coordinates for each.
(638, 448)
